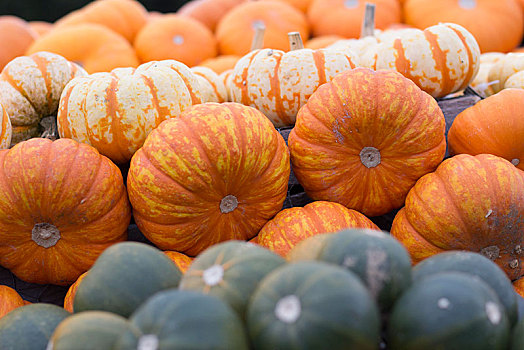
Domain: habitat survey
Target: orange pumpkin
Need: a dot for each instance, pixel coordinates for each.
(497, 26)
(321, 42)
(6, 129)
(220, 63)
(59, 211)
(125, 17)
(9, 300)
(290, 226)
(190, 190)
(236, 29)
(15, 37)
(494, 125)
(114, 112)
(30, 88)
(469, 203)
(71, 292)
(182, 261)
(344, 17)
(93, 46)
(208, 12)
(358, 140)
(518, 285)
(301, 5)
(175, 37)
(40, 27)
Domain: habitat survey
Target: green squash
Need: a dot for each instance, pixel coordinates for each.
(448, 310)
(517, 338)
(382, 262)
(477, 265)
(230, 271)
(123, 277)
(30, 327)
(89, 330)
(178, 319)
(313, 305)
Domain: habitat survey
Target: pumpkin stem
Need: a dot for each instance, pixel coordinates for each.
(228, 204)
(368, 23)
(50, 128)
(491, 252)
(45, 235)
(288, 309)
(370, 157)
(258, 38)
(515, 161)
(147, 342)
(295, 41)
(213, 275)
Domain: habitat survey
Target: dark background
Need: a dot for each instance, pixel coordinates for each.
(51, 10)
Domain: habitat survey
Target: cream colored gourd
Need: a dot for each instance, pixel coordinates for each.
(481, 83)
(212, 85)
(504, 68)
(6, 129)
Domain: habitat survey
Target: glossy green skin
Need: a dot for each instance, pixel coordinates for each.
(448, 311)
(336, 310)
(382, 262)
(186, 320)
(517, 338)
(477, 265)
(90, 330)
(30, 327)
(245, 265)
(123, 277)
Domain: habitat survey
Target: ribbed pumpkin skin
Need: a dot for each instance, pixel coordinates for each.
(290, 226)
(212, 85)
(494, 125)
(191, 189)
(30, 326)
(6, 130)
(71, 292)
(30, 88)
(67, 185)
(15, 37)
(208, 12)
(505, 19)
(182, 261)
(505, 67)
(230, 271)
(114, 112)
(338, 130)
(9, 300)
(440, 59)
(469, 203)
(278, 83)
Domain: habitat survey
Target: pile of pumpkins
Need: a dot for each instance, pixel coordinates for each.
(206, 170)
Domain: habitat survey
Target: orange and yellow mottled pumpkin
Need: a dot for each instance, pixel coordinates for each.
(181, 260)
(9, 300)
(214, 173)
(71, 292)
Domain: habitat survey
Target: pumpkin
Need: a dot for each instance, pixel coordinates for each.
(182, 261)
(235, 30)
(451, 310)
(518, 285)
(290, 226)
(481, 83)
(441, 59)
(175, 37)
(6, 130)
(208, 12)
(471, 203)
(515, 81)
(125, 17)
(279, 83)
(497, 26)
(93, 46)
(321, 42)
(227, 78)
(311, 305)
(220, 63)
(360, 133)
(30, 89)
(114, 112)
(211, 84)
(230, 271)
(190, 190)
(15, 37)
(40, 27)
(123, 277)
(301, 5)
(71, 292)
(494, 125)
(30, 326)
(67, 205)
(181, 319)
(503, 69)
(517, 338)
(344, 17)
(309, 248)
(9, 300)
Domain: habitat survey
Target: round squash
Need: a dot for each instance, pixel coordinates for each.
(494, 125)
(190, 190)
(15, 37)
(40, 27)
(471, 203)
(517, 337)
(9, 300)
(59, 211)
(208, 12)
(361, 133)
(504, 68)
(211, 84)
(450, 310)
(220, 63)
(321, 42)
(182, 261)
(309, 248)
(230, 271)
(311, 305)
(123, 277)
(180, 319)
(481, 83)
(290, 226)
(71, 292)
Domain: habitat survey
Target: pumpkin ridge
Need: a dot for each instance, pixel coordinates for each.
(116, 123)
(275, 90)
(8, 78)
(42, 67)
(440, 61)
(162, 112)
(45, 194)
(433, 149)
(243, 139)
(9, 188)
(189, 86)
(319, 58)
(471, 72)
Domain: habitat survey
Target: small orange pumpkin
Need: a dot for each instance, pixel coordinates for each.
(301, 5)
(9, 300)
(69, 298)
(40, 27)
(181, 260)
(208, 12)
(321, 42)
(220, 63)
(15, 37)
(518, 285)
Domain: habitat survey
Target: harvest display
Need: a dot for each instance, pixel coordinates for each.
(271, 174)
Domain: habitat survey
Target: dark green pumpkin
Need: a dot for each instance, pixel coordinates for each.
(177, 319)
(89, 330)
(230, 271)
(312, 305)
(382, 262)
(477, 265)
(123, 277)
(448, 310)
(30, 326)
(517, 338)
